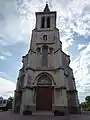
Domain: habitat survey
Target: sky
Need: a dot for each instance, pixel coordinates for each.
(17, 19)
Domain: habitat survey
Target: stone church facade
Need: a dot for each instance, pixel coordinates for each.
(45, 81)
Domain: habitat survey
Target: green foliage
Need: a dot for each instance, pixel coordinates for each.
(86, 105)
(83, 105)
(87, 99)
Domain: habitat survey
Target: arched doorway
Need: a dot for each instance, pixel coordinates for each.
(44, 93)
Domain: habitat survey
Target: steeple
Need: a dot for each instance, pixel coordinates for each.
(44, 20)
(46, 9)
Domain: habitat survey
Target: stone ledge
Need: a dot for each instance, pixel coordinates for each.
(60, 110)
(27, 112)
(71, 91)
(18, 90)
(28, 109)
(60, 87)
(44, 69)
(51, 12)
(59, 113)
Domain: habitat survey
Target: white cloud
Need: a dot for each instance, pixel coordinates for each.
(17, 19)
(81, 67)
(66, 44)
(7, 54)
(7, 87)
(4, 55)
(81, 46)
(2, 74)
(2, 58)
(14, 26)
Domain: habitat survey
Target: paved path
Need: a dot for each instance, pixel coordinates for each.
(47, 116)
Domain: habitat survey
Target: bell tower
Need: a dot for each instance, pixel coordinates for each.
(46, 20)
(46, 81)
(46, 38)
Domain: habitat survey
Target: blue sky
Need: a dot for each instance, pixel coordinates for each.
(17, 19)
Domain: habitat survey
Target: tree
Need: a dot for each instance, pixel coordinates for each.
(10, 101)
(87, 99)
(1, 98)
(83, 106)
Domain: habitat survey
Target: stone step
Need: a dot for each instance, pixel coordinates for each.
(49, 113)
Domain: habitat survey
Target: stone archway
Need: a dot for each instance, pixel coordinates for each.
(44, 93)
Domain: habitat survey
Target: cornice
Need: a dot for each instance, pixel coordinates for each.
(44, 69)
(71, 91)
(40, 13)
(60, 87)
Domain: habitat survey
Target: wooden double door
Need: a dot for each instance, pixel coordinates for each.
(44, 98)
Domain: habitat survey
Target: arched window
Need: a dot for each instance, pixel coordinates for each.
(48, 22)
(45, 37)
(44, 79)
(45, 56)
(42, 22)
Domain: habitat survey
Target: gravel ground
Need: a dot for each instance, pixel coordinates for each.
(12, 116)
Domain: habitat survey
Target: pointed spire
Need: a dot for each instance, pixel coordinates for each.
(46, 9)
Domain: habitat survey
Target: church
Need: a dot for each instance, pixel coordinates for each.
(46, 81)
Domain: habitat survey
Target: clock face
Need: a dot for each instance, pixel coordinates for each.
(45, 37)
